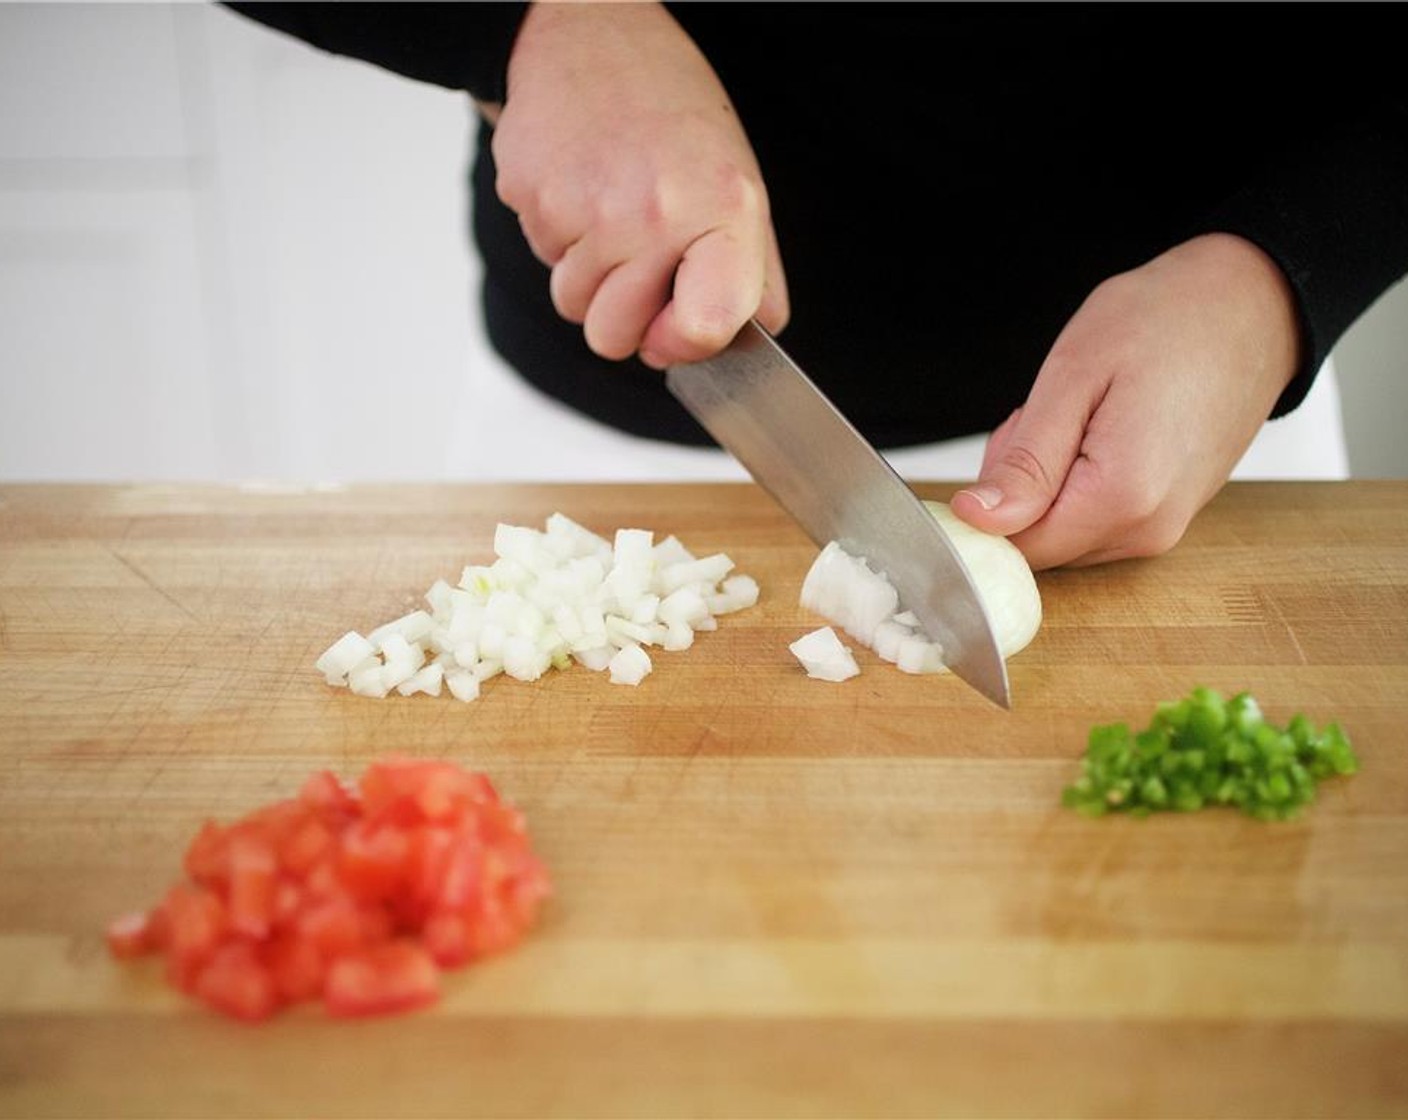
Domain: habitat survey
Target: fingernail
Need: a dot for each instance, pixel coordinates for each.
(652, 359)
(986, 496)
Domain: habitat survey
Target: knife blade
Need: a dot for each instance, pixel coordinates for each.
(759, 405)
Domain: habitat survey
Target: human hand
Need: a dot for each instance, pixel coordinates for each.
(634, 181)
(1147, 400)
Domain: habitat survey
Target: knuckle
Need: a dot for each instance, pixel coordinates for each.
(510, 189)
(738, 199)
(553, 208)
(658, 205)
(1135, 499)
(1150, 526)
(739, 192)
(513, 184)
(1020, 459)
(730, 194)
(1157, 535)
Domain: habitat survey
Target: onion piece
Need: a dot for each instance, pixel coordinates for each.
(630, 665)
(413, 627)
(824, 656)
(463, 684)
(427, 680)
(344, 655)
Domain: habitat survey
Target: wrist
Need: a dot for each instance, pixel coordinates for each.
(1258, 294)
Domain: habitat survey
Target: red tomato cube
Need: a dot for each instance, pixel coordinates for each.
(395, 976)
(134, 934)
(235, 982)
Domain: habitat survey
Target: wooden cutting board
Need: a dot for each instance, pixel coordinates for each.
(774, 896)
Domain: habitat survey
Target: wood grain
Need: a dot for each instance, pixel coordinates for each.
(774, 896)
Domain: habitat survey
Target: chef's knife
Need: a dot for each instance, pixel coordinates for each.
(760, 406)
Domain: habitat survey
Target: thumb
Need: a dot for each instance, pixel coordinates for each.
(1025, 466)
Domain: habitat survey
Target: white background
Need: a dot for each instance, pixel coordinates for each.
(225, 255)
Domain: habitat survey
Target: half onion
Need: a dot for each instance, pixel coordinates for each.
(848, 592)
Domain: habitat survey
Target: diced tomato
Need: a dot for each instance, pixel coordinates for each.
(383, 979)
(334, 926)
(411, 790)
(310, 842)
(359, 900)
(196, 925)
(326, 795)
(445, 792)
(324, 880)
(289, 898)
(134, 934)
(253, 884)
(446, 938)
(493, 929)
(195, 920)
(431, 849)
(374, 859)
(462, 883)
(207, 856)
(296, 966)
(275, 822)
(235, 982)
(500, 824)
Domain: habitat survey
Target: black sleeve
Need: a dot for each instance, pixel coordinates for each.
(461, 46)
(1333, 212)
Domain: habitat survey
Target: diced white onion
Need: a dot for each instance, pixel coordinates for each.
(576, 540)
(743, 590)
(413, 627)
(369, 680)
(549, 598)
(596, 658)
(683, 606)
(629, 665)
(486, 668)
(463, 684)
(523, 660)
(623, 632)
(678, 636)
(711, 569)
(671, 551)
(646, 609)
(440, 597)
(824, 656)
(427, 680)
(343, 655)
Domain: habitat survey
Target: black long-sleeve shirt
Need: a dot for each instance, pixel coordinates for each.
(949, 181)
